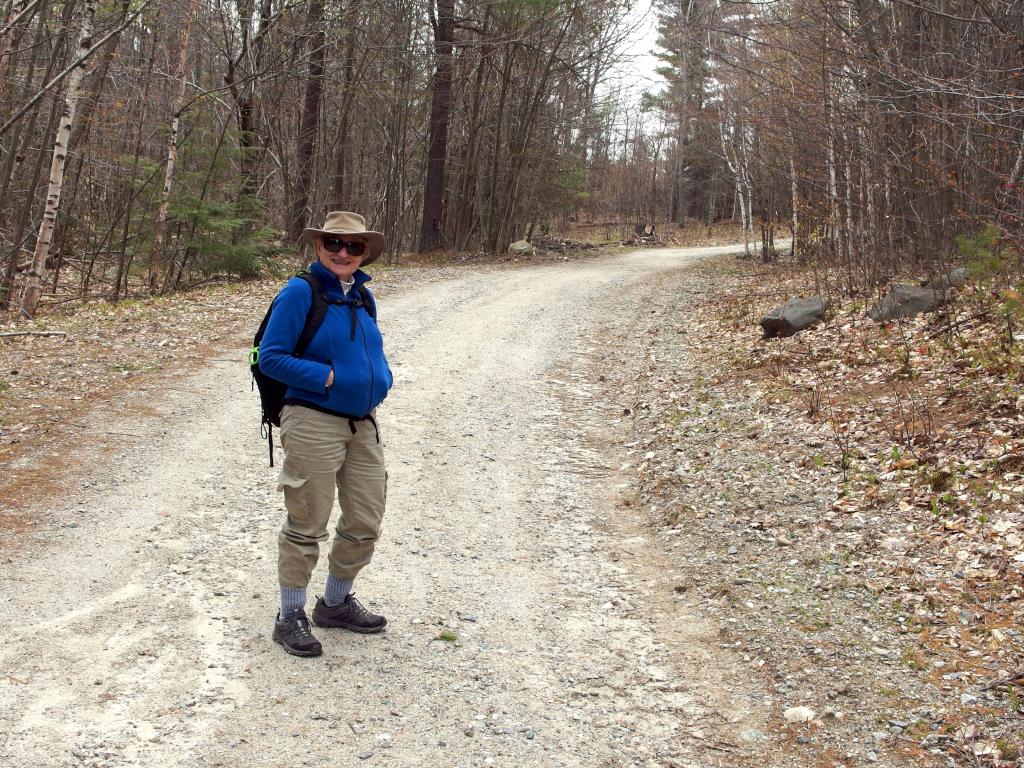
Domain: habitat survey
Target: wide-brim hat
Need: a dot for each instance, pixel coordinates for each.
(347, 223)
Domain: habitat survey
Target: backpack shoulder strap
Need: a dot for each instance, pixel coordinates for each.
(317, 312)
(368, 302)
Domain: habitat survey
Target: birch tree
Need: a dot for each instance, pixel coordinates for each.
(30, 297)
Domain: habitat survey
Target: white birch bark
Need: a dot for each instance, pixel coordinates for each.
(160, 225)
(737, 174)
(30, 297)
(794, 196)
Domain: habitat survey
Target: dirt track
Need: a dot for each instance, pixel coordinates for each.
(138, 618)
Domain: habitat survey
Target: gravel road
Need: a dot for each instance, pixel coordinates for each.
(138, 614)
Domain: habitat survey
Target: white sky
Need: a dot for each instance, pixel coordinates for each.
(636, 73)
(641, 46)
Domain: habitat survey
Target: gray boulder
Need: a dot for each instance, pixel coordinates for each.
(906, 301)
(520, 248)
(956, 278)
(793, 316)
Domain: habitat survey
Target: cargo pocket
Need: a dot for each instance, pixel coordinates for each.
(289, 478)
(296, 493)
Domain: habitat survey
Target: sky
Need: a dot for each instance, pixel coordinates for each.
(641, 46)
(636, 73)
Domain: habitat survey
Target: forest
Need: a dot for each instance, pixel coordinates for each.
(147, 146)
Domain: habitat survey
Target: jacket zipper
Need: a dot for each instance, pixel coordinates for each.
(369, 362)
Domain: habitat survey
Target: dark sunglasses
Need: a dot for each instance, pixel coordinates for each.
(336, 244)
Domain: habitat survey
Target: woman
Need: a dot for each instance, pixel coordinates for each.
(328, 431)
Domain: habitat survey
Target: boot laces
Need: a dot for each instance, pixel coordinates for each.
(302, 628)
(356, 607)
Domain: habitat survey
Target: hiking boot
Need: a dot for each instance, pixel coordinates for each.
(295, 635)
(349, 614)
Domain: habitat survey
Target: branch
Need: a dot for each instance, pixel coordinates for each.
(32, 333)
(70, 68)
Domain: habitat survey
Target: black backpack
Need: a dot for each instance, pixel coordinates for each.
(271, 390)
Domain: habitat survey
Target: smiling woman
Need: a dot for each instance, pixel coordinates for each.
(339, 379)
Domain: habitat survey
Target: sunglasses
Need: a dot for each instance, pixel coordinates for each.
(336, 245)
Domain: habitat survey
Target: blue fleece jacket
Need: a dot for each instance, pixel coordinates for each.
(362, 377)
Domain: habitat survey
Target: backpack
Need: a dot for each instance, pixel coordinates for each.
(271, 390)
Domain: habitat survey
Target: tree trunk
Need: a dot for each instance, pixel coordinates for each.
(309, 122)
(122, 258)
(30, 298)
(160, 225)
(431, 224)
(342, 184)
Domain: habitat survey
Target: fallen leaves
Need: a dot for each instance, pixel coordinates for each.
(890, 456)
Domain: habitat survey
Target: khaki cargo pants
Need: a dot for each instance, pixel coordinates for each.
(321, 454)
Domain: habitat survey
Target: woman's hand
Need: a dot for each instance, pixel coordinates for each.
(330, 378)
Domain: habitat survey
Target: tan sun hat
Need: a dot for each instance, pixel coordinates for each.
(348, 223)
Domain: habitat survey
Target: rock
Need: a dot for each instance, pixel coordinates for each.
(520, 248)
(365, 755)
(752, 734)
(955, 278)
(906, 301)
(793, 316)
(798, 715)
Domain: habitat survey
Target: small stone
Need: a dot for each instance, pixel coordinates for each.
(967, 699)
(733, 550)
(799, 715)
(365, 755)
(530, 735)
(752, 734)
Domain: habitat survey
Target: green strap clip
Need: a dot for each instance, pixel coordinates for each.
(254, 355)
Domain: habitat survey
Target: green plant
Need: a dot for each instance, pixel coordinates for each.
(1008, 750)
(448, 636)
(983, 254)
(219, 238)
(989, 260)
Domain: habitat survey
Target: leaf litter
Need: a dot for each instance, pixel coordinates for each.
(846, 505)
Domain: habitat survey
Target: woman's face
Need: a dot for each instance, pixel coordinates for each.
(342, 263)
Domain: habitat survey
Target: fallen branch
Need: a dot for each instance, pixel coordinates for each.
(32, 333)
(1017, 678)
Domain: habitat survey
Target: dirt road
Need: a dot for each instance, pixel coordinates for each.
(137, 620)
